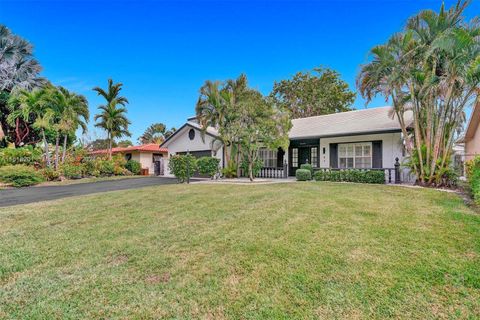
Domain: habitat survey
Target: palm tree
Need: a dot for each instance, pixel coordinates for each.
(24, 104)
(72, 112)
(432, 69)
(18, 70)
(156, 133)
(112, 117)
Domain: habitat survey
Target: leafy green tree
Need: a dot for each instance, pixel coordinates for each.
(156, 133)
(124, 143)
(101, 144)
(314, 93)
(432, 71)
(260, 123)
(112, 117)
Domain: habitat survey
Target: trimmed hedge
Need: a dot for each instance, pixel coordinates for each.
(351, 175)
(307, 166)
(303, 175)
(20, 176)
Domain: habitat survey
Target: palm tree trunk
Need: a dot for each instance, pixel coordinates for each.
(64, 148)
(109, 146)
(47, 154)
(57, 144)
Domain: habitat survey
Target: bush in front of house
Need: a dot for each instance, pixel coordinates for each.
(106, 167)
(20, 176)
(351, 175)
(50, 174)
(26, 156)
(307, 166)
(72, 171)
(208, 166)
(256, 167)
(472, 169)
(182, 166)
(133, 166)
(303, 175)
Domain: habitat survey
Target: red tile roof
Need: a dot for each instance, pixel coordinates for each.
(152, 147)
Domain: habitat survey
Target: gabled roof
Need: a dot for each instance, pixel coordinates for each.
(152, 147)
(365, 121)
(210, 131)
(473, 122)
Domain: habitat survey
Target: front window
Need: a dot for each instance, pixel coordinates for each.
(294, 157)
(269, 157)
(355, 155)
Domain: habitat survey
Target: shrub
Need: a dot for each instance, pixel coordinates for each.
(133, 166)
(230, 170)
(474, 181)
(20, 176)
(351, 175)
(182, 166)
(50, 174)
(90, 168)
(470, 165)
(308, 167)
(71, 171)
(26, 156)
(208, 166)
(106, 167)
(303, 175)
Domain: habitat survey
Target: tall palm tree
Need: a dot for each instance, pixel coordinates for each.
(432, 69)
(18, 70)
(72, 112)
(112, 117)
(27, 105)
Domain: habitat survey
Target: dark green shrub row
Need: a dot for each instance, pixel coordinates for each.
(351, 175)
(26, 156)
(303, 174)
(182, 166)
(20, 176)
(473, 176)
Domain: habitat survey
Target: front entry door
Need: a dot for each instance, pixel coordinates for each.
(303, 155)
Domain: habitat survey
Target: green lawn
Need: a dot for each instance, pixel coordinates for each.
(294, 250)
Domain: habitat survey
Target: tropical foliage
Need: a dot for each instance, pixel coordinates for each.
(314, 93)
(208, 166)
(245, 120)
(183, 167)
(20, 176)
(431, 71)
(112, 117)
(156, 133)
(18, 70)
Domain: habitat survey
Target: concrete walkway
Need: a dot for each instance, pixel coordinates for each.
(12, 197)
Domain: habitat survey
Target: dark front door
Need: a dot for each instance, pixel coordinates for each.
(303, 155)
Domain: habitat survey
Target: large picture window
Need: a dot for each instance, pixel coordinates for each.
(355, 155)
(269, 157)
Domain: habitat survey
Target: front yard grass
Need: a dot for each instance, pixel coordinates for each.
(294, 250)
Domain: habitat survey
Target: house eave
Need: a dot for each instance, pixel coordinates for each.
(346, 134)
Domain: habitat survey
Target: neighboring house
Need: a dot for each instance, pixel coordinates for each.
(471, 139)
(192, 139)
(367, 138)
(150, 156)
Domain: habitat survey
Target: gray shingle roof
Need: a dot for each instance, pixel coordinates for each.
(362, 121)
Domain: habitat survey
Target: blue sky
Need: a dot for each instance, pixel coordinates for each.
(163, 51)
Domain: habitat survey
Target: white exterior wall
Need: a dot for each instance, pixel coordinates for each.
(182, 143)
(145, 159)
(391, 147)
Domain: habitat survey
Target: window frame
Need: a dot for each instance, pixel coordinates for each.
(314, 156)
(268, 157)
(294, 157)
(353, 156)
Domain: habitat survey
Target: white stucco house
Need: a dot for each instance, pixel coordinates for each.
(367, 138)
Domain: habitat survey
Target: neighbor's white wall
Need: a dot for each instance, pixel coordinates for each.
(391, 147)
(181, 143)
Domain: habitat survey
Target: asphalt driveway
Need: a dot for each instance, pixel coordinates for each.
(12, 197)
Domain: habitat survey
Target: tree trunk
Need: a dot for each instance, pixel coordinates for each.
(57, 144)
(250, 170)
(64, 148)
(47, 154)
(109, 146)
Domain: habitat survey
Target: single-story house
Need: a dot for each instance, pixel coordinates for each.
(367, 138)
(151, 156)
(471, 139)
